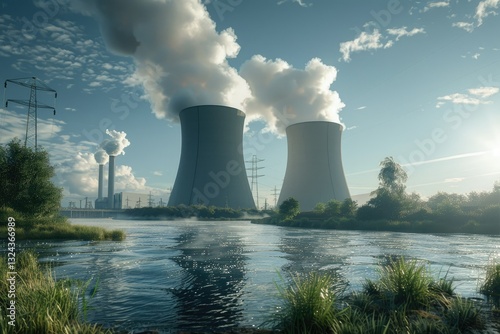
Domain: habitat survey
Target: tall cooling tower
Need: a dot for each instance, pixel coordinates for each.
(111, 182)
(211, 169)
(314, 171)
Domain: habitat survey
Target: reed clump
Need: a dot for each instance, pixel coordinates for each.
(404, 299)
(42, 304)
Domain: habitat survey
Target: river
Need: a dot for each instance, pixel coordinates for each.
(197, 275)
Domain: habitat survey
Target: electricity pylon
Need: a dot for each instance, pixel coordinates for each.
(255, 176)
(34, 84)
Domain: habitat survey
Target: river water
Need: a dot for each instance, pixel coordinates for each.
(196, 275)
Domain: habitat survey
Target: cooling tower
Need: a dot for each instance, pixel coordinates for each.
(101, 181)
(211, 169)
(314, 171)
(111, 182)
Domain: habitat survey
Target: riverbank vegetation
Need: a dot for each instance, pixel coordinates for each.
(202, 212)
(33, 201)
(42, 304)
(404, 299)
(393, 209)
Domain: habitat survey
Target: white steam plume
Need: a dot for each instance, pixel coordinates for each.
(283, 95)
(181, 61)
(116, 144)
(101, 157)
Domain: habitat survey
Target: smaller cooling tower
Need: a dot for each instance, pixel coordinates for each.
(211, 169)
(314, 171)
(101, 181)
(111, 182)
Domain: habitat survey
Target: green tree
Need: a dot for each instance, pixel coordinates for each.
(332, 208)
(289, 208)
(25, 180)
(348, 208)
(392, 176)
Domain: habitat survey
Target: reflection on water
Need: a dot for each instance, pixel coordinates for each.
(171, 276)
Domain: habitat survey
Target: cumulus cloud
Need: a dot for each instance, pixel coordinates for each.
(283, 95)
(467, 26)
(374, 40)
(484, 92)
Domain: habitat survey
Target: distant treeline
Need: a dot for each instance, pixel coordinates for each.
(392, 209)
(193, 211)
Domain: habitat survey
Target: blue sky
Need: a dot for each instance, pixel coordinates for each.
(418, 81)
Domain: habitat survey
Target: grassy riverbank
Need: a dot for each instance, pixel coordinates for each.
(54, 228)
(404, 299)
(41, 304)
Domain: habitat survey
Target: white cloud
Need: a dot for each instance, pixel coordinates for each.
(375, 40)
(364, 42)
(478, 98)
(485, 8)
(401, 32)
(157, 173)
(437, 4)
(476, 56)
(469, 27)
(484, 92)
(301, 3)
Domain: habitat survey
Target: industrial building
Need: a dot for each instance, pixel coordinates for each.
(314, 171)
(211, 169)
(127, 200)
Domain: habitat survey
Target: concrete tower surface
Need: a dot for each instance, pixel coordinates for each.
(101, 181)
(314, 171)
(111, 182)
(211, 169)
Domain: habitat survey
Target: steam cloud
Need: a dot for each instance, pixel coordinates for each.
(284, 95)
(116, 144)
(182, 60)
(101, 157)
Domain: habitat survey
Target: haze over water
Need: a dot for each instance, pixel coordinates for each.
(188, 275)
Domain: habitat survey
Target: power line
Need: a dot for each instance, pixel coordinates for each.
(34, 84)
(255, 176)
(275, 194)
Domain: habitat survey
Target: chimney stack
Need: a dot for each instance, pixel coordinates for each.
(111, 182)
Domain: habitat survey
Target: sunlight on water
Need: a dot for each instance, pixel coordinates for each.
(171, 276)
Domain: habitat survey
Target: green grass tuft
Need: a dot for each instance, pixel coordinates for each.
(491, 285)
(43, 305)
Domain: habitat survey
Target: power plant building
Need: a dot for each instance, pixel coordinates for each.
(211, 169)
(314, 171)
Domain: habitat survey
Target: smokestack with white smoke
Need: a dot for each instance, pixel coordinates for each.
(102, 158)
(113, 147)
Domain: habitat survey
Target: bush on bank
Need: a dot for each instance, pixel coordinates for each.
(55, 228)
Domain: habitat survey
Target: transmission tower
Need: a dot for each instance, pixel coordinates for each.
(275, 194)
(254, 176)
(34, 84)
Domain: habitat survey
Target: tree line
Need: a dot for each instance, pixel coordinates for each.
(392, 208)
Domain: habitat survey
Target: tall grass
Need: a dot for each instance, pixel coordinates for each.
(404, 299)
(43, 305)
(403, 283)
(309, 305)
(491, 285)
